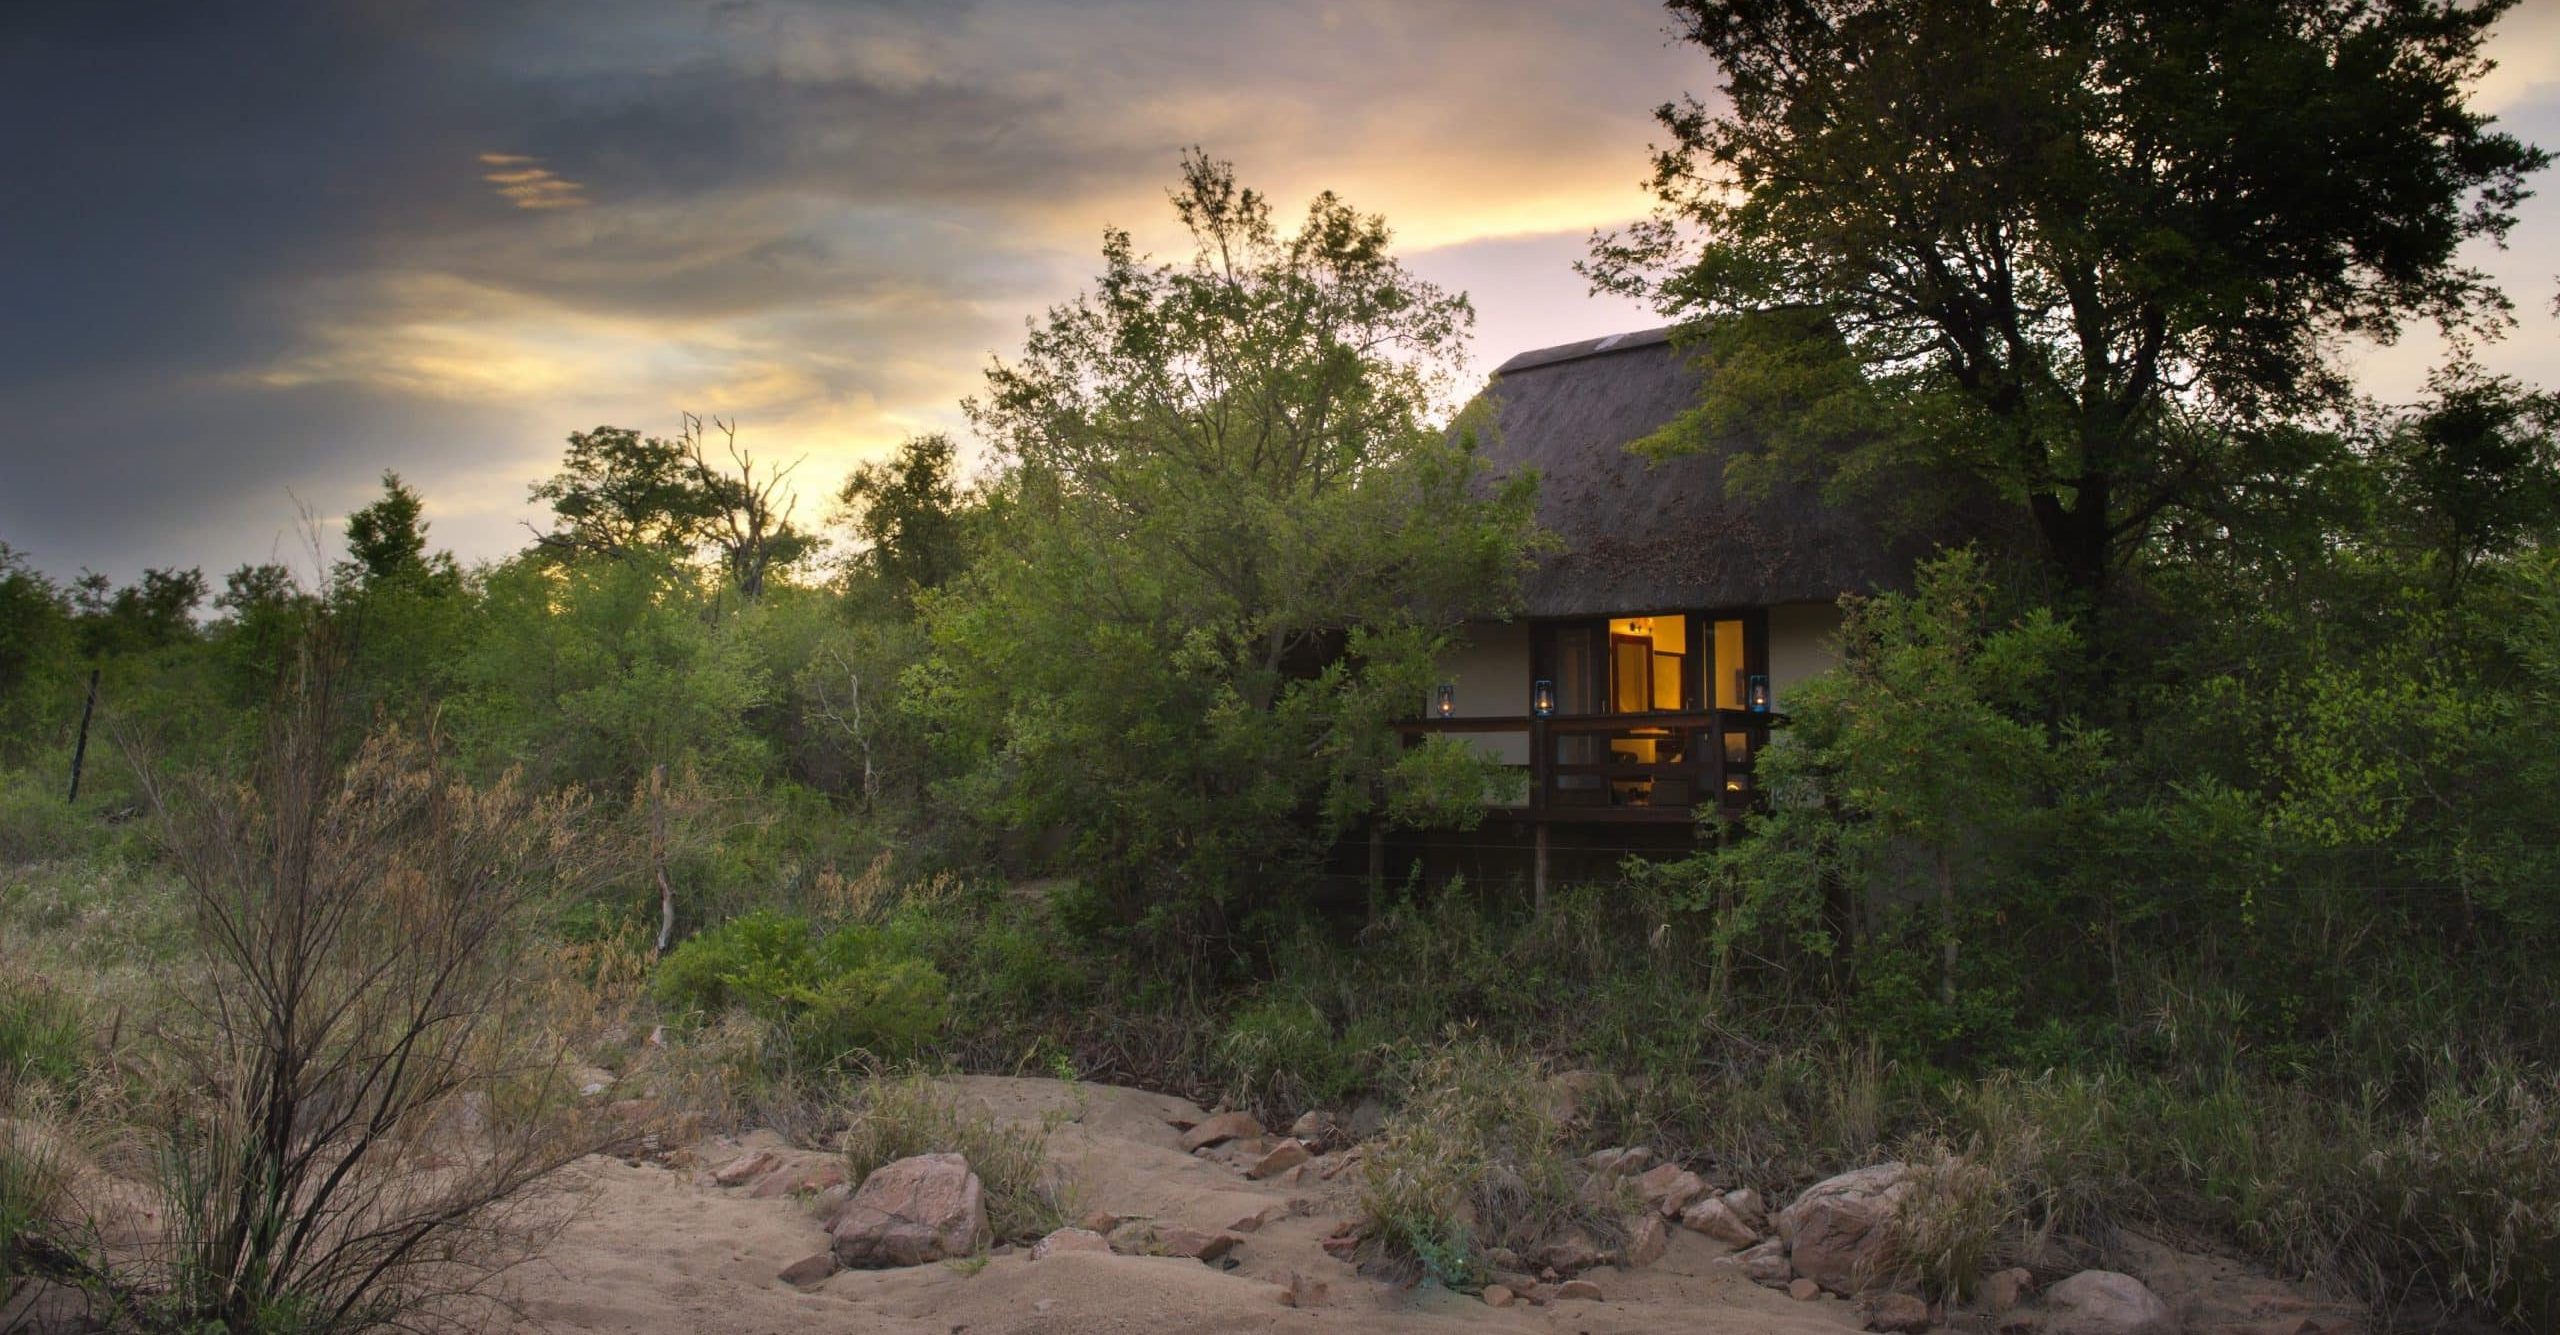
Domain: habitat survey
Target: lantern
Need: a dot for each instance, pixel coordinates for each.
(1542, 698)
(1758, 695)
(1444, 701)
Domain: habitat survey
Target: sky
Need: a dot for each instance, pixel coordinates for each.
(253, 255)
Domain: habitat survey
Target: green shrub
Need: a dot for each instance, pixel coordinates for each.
(1279, 1055)
(41, 1035)
(839, 994)
(894, 1118)
(1475, 1159)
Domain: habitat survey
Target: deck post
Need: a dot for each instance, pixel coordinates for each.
(1538, 874)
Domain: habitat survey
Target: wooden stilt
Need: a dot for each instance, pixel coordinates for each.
(80, 749)
(1538, 875)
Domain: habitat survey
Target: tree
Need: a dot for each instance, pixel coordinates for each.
(137, 618)
(1227, 539)
(619, 493)
(2070, 252)
(910, 517)
(747, 519)
(35, 632)
(387, 539)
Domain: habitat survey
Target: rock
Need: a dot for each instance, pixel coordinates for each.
(1766, 1263)
(1223, 1127)
(1498, 1295)
(1570, 1252)
(1897, 1312)
(2007, 1288)
(1578, 1290)
(1746, 1206)
(1252, 1223)
(1098, 1221)
(1803, 1290)
(2102, 1302)
(1503, 1258)
(1840, 1232)
(1193, 1243)
(1282, 1157)
(1303, 1291)
(1669, 1188)
(1628, 1162)
(792, 1179)
(809, 1271)
(1647, 1241)
(926, 1208)
(1069, 1240)
(745, 1168)
(1717, 1220)
(1341, 1248)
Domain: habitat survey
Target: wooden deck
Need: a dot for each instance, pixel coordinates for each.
(1593, 768)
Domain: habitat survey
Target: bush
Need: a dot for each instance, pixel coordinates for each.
(1475, 1159)
(840, 994)
(895, 1118)
(1280, 1056)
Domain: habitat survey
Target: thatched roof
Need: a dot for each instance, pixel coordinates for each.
(1640, 536)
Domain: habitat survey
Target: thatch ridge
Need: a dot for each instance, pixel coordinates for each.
(1640, 536)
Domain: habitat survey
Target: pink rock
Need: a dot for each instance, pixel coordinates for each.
(911, 1212)
(1070, 1240)
(2102, 1302)
(1223, 1127)
(1195, 1244)
(1840, 1232)
(1803, 1290)
(1647, 1241)
(1497, 1295)
(1282, 1157)
(1669, 1188)
(1765, 1263)
(745, 1168)
(1578, 1290)
(2007, 1288)
(1717, 1220)
(1898, 1312)
(809, 1271)
(1304, 1291)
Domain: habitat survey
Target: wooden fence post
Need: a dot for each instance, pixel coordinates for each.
(80, 749)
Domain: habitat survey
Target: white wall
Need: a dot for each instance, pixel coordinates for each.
(1491, 672)
(1802, 644)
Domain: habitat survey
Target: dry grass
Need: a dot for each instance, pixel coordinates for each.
(897, 1117)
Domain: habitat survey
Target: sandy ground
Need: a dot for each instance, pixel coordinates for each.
(656, 1251)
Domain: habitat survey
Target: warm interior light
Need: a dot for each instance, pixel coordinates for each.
(1542, 698)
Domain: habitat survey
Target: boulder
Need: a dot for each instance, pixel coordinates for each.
(1069, 1240)
(1717, 1220)
(1766, 1263)
(911, 1212)
(1194, 1243)
(809, 1271)
(1897, 1312)
(2102, 1302)
(1669, 1188)
(1803, 1290)
(1840, 1232)
(1746, 1206)
(1647, 1241)
(1220, 1129)
(1498, 1295)
(794, 1178)
(2007, 1288)
(1279, 1159)
(1578, 1290)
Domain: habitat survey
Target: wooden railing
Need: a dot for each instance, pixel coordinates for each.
(1692, 761)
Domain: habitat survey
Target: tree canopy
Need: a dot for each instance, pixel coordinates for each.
(2081, 254)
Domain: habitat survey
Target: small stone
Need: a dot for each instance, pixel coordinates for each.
(744, 1169)
(1717, 1220)
(1498, 1295)
(1899, 1312)
(1573, 1251)
(1252, 1223)
(809, 1271)
(1766, 1263)
(1042, 1305)
(1069, 1240)
(1223, 1127)
(1284, 1156)
(2007, 1288)
(1746, 1206)
(1099, 1221)
(1193, 1243)
(1578, 1290)
(1647, 1241)
(1803, 1290)
(1503, 1258)
(1303, 1291)
(1341, 1248)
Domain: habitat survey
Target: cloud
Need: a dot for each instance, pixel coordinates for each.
(522, 181)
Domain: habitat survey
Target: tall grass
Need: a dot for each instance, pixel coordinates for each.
(898, 1117)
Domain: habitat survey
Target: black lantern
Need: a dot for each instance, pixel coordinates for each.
(1758, 695)
(1542, 698)
(1444, 701)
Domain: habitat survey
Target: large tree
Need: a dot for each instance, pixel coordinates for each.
(2077, 253)
(1228, 534)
